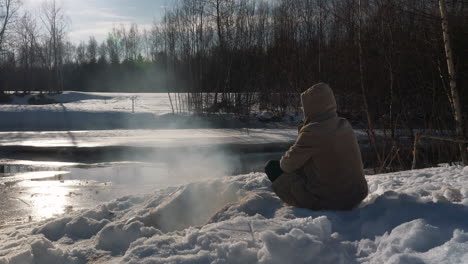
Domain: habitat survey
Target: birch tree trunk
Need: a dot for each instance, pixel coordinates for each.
(456, 106)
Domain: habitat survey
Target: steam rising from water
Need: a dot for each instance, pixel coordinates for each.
(198, 200)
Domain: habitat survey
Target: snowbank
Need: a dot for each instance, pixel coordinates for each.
(409, 217)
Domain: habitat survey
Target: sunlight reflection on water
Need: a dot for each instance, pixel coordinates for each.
(48, 198)
(34, 190)
(34, 176)
(31, 163)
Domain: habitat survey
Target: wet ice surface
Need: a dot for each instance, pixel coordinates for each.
(142, 137)
(32, 191)
(36, 192)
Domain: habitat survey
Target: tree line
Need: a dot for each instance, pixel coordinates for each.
(385, 59)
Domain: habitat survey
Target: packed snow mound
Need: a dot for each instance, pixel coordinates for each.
(409, 217)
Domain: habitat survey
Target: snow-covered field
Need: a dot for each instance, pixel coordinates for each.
(80, 110)
(156, 103)
(409, 217)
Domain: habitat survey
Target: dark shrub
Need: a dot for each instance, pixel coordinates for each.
(41, 99)
(5, 98)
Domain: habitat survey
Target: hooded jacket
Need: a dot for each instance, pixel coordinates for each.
(323, 169)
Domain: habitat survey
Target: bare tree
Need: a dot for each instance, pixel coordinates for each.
(28, 48)
(113, 48)
(133, 40)
(156, 41)
(455, 98)
(128, 40)
(146, 43)
(54, 21)
(69, 50)
(80, 55)
(92, 50)
(8, 11)
(102, 53)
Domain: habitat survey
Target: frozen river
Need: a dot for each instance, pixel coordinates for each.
(156, 138)
(44, 174)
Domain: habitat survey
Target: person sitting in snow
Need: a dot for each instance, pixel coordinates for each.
(323, 170)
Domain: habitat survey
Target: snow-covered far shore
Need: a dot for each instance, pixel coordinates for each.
(409, 217)
(86, 111)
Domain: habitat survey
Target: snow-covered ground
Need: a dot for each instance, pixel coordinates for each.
(409, 217)
(81, 111)
(156, 103)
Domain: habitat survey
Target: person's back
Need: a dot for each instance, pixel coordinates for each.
(323, 169)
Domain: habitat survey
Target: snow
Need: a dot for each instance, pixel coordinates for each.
(409, 217)
(82, 111)
(157, 103)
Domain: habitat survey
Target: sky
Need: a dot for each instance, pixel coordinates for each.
(97, 17)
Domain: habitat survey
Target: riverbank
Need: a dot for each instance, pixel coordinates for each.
(103, 111)
(413, 216)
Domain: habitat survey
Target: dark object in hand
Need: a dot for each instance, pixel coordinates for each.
(273, 170)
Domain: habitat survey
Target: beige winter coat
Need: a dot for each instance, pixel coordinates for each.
(323, 169)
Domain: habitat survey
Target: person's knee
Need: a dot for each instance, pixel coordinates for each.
(273, 170)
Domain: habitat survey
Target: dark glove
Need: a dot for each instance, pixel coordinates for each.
(273, 170)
